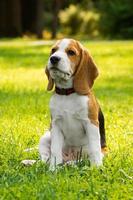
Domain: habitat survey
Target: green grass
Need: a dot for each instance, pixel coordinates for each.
(24, 115)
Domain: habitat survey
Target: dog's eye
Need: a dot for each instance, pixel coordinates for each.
(53, 50)
(71, 53)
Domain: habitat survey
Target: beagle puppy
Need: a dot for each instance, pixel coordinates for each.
(77, 122)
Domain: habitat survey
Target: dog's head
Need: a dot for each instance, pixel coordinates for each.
(68, 58)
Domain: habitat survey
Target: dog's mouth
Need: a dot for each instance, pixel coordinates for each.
(58, 73)
(61, 71)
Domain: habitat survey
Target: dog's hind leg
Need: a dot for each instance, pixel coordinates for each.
(45, 146)
(102, 132)
(102, 128)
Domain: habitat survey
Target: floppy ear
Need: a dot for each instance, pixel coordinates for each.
(50, 80)
(85, 74)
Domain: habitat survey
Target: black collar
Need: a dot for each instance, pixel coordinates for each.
(62, 91)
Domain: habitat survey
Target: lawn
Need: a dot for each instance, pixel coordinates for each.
(24, 116)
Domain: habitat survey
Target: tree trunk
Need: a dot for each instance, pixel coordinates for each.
(55, 8)
(2, 18)
(32, 12)
(10, 18)
(21, 16)
(39, 19)
(13, 22)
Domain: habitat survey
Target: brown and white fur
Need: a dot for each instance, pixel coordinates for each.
(76, 119)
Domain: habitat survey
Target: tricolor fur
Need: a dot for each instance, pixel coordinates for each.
(76, 119)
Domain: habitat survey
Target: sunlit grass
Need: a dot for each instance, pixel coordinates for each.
(24, 115)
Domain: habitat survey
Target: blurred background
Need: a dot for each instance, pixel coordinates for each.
(49, 19)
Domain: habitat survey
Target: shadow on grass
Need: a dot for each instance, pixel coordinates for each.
(115, 90)
(27, 56)
(115, 86)
(25, 102)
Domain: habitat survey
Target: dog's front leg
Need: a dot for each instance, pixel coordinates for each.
(94, 147)
(44, 146)
(57, 140)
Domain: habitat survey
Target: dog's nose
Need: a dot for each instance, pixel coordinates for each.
(54, 59)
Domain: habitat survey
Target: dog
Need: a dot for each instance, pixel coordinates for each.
(77, 121)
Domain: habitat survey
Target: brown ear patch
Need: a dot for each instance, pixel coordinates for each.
(86, 73)
(50, 80)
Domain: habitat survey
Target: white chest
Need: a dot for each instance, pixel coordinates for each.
(69, 114)
(73, 105)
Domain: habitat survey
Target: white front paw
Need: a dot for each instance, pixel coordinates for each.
(55, 163)
(45, 158)
(96, 159)
(52, 167)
